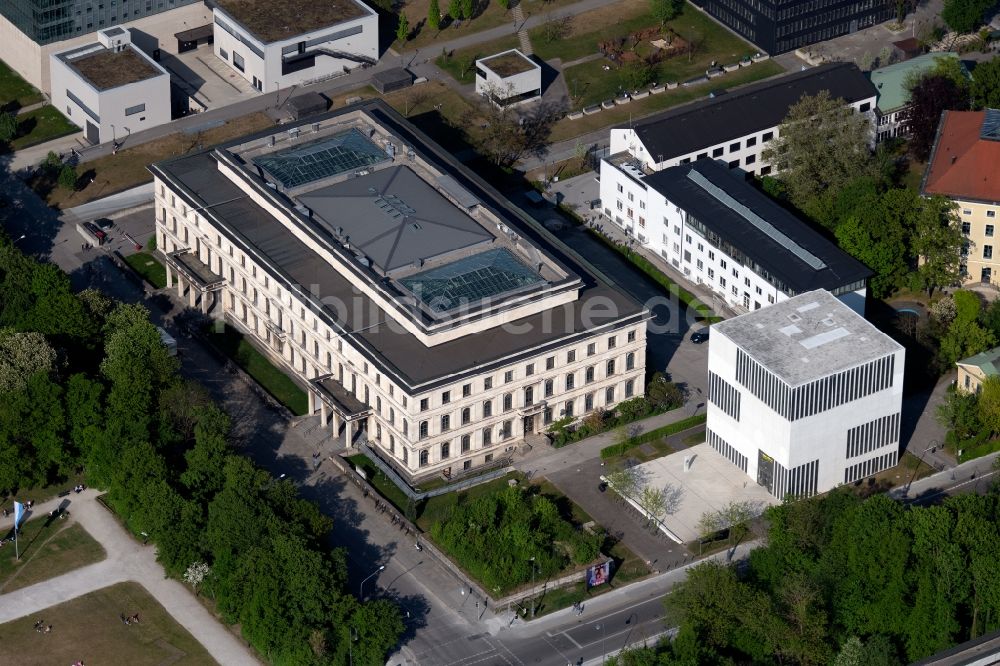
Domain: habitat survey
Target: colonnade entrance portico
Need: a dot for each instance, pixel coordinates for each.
(193, 276)
(337, 406)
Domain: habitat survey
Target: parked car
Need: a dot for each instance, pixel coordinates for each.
(700, 336)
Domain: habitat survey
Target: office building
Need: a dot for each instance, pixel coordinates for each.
(892, 85)
(721, 232)
(965, 167)
(32, 30)
(804, 395)
(275, 45)
(110, 88)
(410, 298)
(780, 26)
(736, 127)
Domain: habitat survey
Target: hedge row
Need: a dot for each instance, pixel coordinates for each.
(621, 448)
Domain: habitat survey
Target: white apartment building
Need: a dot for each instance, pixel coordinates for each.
(275, 45)
(110, 88)
(509, 77)
(735, 127)
(805, 395)
(412, 300)
(721, 232)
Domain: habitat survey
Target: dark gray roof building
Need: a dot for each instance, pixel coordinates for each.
(786, 247)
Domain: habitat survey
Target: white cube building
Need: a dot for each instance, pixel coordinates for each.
(805, 395)
(275, 45)
(110, 88)
(509, 78)
(413, 301)
(721, 232)
(736, 127)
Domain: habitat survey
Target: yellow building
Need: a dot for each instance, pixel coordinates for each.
(973, 371)
(965, 167)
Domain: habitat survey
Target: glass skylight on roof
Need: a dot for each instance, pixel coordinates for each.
(990, 130)
(320, 159)
(471, 279)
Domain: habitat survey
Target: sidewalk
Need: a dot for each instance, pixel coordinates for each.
(127, 560)
(29, 157)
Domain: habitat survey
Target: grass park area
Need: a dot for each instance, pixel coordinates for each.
(88, 629)
(41, 125)
(232, 343)
(48, 549)
(15, 92)
(382, 483)
(114, 173)
(149, 267)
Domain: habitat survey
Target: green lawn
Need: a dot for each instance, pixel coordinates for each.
(382, 483)
(15, 89)
(89, 629)
(276, 382)
(149, 267)
(436, 509)
(39, 494)
(41, 125)
(48, 549)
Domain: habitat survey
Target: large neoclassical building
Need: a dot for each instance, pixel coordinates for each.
(415, 302)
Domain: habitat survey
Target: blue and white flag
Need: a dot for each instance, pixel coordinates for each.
(18, 514)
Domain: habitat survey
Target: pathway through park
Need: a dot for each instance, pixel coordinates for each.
(127, 560)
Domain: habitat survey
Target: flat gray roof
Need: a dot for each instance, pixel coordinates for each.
(809, 336)
(394, 217)
(295, 266)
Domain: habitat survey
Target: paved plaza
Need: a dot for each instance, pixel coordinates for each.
(711, 483)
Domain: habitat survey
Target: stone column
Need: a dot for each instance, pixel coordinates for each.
(348, 433)
(335, 423)
(170, 275)
(312, 401)
(322, 412)
(180, 286)
(192, 295)
(204, 302)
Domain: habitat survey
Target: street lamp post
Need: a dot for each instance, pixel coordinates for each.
(362, 591)
(604, 641)
(19, 238)
(532, 560)
(930, 447)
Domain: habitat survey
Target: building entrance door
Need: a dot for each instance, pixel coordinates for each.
(986, 276)
(765, 470)
(529, 425)
(93, 134)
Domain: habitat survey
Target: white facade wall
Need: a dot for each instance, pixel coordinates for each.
(744, 152)
(822, 436)
(661, 226)
(262, 62)
(253, 300)
(129, 108)
(507, 86)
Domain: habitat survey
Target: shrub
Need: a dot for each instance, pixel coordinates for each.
(616, 450)
(67, 177)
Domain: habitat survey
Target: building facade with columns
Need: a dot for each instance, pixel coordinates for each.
(422, 311)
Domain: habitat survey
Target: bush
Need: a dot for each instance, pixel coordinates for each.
(616, 450)
(8, 127)
(67, 177)
(151, 243)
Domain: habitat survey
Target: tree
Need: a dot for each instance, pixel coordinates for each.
(8, 126)
(403, 29)
(665, 10)
(68, 177)
(196, 573)
(434, 15)
(875, 235)
(964, 16)
(964, 339)
(929, 97)
(627, 482)
(662, 393)
(455, 9)
(508, 136)
(959, 413)
(822, 144)
(468, 8)
(937, 240)
(985, 87)
(989, 404)
(21, 356)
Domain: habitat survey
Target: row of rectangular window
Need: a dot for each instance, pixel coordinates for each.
(724, 395)
(589, 376)
(798, 482)
(727, 450)
(875, 434)
(869, 467)
(817, 396)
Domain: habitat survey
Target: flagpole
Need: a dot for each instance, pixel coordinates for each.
(17, 548)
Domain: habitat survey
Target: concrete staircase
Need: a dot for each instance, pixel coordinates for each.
(522, 33)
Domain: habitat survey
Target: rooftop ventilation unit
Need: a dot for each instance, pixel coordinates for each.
(294, 133)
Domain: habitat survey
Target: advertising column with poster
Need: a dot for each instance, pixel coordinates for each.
(599, 574)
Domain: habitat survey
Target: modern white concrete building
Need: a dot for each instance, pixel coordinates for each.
(509, 78)
(110, 88)
(805, 395)
(721, 232)
(735, 127)
(409, 297)
(275, 45)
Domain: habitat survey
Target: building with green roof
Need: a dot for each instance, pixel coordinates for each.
(973, 371)
(893, 95)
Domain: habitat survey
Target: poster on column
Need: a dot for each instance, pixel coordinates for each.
(598, 574)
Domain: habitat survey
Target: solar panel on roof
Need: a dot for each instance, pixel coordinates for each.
(990, 130)
(345, 151)
(471, 279)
